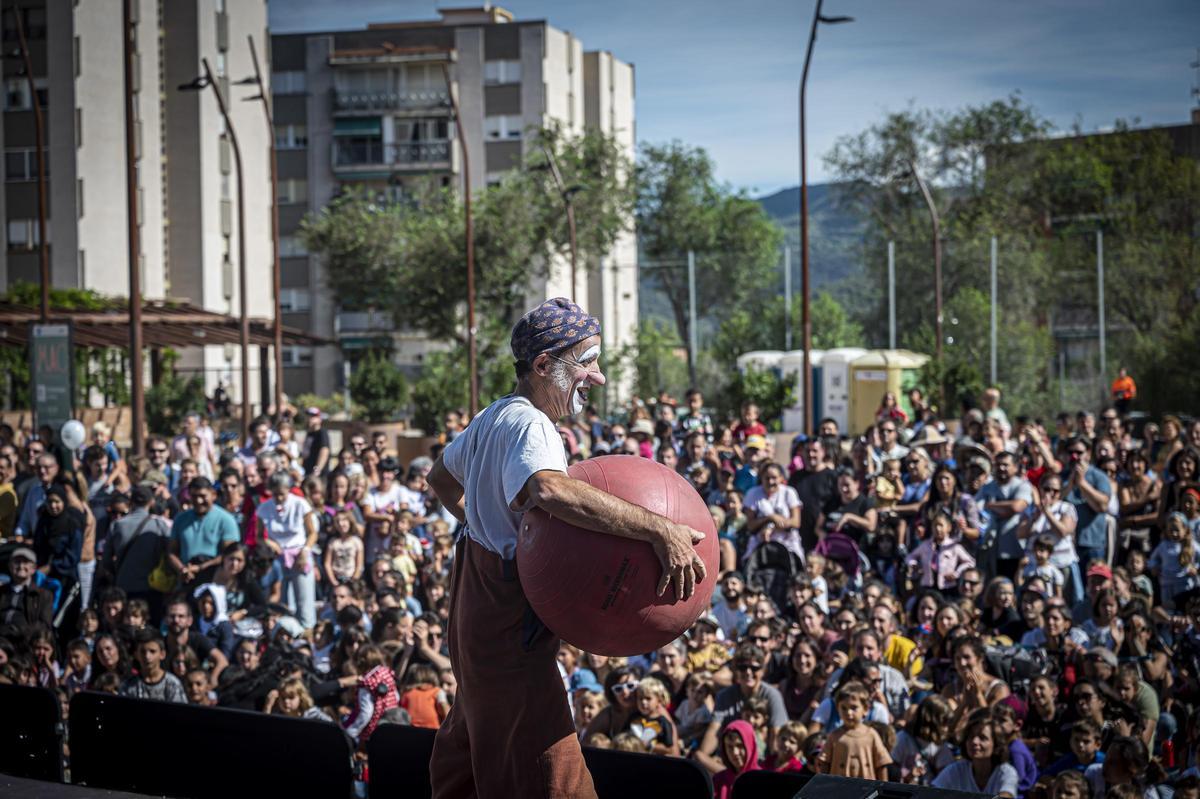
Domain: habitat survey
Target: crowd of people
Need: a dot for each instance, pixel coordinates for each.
(995, 605)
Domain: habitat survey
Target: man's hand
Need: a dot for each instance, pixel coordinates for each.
(679, 560)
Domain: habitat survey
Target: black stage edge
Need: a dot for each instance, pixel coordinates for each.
(20, 788)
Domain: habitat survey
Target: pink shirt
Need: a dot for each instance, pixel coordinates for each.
(940, 566)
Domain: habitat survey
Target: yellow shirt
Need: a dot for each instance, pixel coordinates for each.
(902, 656)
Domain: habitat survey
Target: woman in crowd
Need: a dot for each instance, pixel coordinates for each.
(291, 533)
(983, 767)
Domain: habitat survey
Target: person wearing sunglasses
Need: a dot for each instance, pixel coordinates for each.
(1088, 489)
(748, 667)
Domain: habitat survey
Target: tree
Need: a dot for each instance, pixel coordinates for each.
(172, 397)
(681, 208)
(443, 384)
(408, 257)
(769, 392)
(379, 387)
(745, 330)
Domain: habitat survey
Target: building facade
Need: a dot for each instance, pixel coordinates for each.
(187, 191)
(369, 109)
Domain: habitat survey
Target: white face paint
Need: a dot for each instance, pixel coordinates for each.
(578, 397)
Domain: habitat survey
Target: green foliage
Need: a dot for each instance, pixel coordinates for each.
(772, 394)
(682, 208)
(655, 361)
(172, 397)
(444, 383)
(379, 387)
(747, 329)
(333, 404)
(409, 258)
(993, 172)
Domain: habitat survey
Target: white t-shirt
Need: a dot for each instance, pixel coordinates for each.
(414, 501)
(502, 447)
(378, 501)
(285, 526)
(1063, 554)
(1050, 573)
(958, 777)
(782, 501)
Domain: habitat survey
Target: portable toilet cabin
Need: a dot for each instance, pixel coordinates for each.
(791, 370)
(834, 392)
(761, 360)
(875, 373)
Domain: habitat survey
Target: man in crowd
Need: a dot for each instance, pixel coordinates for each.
(135, 545)
(200, 533)
(315, 454)
(22, 603)
(816, 485)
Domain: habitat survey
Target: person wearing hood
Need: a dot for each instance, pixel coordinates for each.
(212, 618)
(58, 537)
(739, 753)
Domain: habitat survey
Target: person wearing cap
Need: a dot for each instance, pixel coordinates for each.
(22, 603)
(519, 739)
(199, 533)
(754, 450)
(315, 453)
(133, 548)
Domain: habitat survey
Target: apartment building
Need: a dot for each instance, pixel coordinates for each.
(369, 108)
(186, 186)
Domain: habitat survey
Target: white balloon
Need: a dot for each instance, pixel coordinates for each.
(73, 434)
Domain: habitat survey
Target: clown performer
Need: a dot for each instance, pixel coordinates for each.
(510, 732)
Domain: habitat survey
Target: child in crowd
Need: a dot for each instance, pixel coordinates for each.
(628, 742)
(107, 683)
(695, 711)
(1040, 566)
(136, 615)
(756, 712)
(1173, 561)
(598, 740)
(739, 754)
(195, 685)
(45, 657)
(1070, 785)
(1042, 730)
(1085, 749)
(211, 618)
(789, 740)
(938, 561)
(375, 694)
(79, 667)
(344, 555)
(152, 680)
(587, 705)
(292, 699)
(653, 723)
(813, 753)
(424, 698)
(400, 557)
(1008, 716)
(887, 734)
(1135, 562)
(88, 626)
(855, 749)
(814, 567)
(922, 748)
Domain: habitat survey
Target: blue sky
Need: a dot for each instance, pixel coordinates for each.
(724, 75)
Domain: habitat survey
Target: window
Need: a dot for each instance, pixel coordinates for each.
(497, 72)
(361, 81)
(221, 63)
(290, 82)
(293, 300)
(291, 247)
(291, 137)
(297, 356)
(504, 126)
(79, 197)
(78, 127)
(293, 190)
(23, 234)
(16, 95)
(20, 164)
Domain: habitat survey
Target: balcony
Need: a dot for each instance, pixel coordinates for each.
(349, 323)
(351, 153)
(375, 102)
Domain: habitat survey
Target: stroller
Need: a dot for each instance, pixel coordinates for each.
(772, 567)
(842, 550)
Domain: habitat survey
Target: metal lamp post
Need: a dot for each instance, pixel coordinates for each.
(568, 197)
(277, 329)
(805, 288)
(937, 267)
(199, 84)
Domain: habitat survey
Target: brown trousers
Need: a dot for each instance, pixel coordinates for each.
(510, 731)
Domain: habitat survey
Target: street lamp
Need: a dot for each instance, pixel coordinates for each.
(136, 384)
(568, 197)
(199, 84)
(805, 289)
(472, 366)
(40, 134)
(257, 81)
(937, 268)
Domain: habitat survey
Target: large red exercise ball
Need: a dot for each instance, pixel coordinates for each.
(599, 591)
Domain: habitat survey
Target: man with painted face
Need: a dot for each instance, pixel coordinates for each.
(509, 732)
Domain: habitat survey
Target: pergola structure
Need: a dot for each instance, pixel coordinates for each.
(164, 324)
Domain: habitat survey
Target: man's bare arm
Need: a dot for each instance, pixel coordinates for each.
(449, 491)
(586, 506)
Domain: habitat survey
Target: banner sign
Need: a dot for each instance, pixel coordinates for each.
(51, 373)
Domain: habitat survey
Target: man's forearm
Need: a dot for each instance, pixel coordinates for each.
(586, 506)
